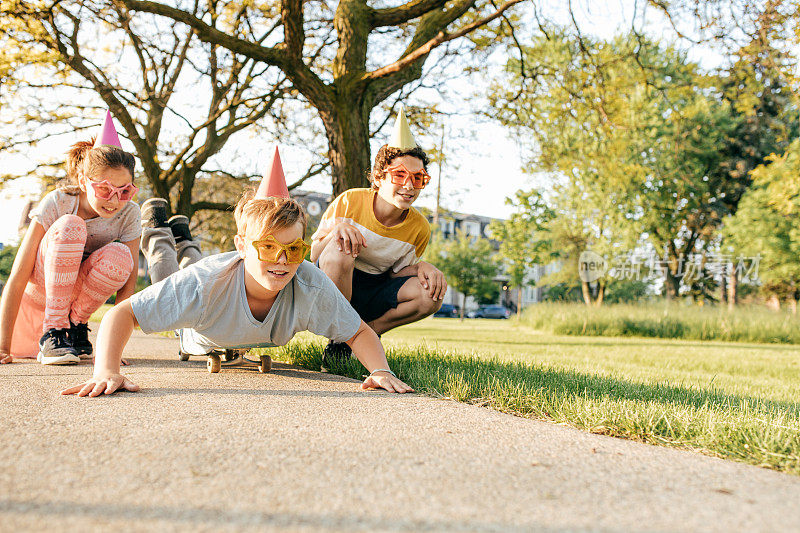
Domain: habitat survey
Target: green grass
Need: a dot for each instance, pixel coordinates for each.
(669, 321)
(736, 401)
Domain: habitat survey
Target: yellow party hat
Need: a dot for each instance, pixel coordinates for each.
(402, 138)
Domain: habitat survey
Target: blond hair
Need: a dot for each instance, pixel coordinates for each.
(267, 214)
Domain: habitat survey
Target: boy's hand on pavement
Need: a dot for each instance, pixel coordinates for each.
(5, 357)
(432, 280)
(384, 380)
(348, 238)
(102, 384)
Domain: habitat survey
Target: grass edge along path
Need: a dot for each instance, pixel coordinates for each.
(749, 430)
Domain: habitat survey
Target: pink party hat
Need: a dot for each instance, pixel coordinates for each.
(273, 185)
(108, 135)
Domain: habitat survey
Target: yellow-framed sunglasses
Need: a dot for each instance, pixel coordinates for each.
(269, 249)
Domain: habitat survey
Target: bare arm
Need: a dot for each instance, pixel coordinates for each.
(319, 244)
(346, 236)
(130, 286)
(12, 293)
(115, 330)
(369, 351)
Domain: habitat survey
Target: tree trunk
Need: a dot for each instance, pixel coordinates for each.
(723, 289)
(601, 293)
(519, 301)
(733, 287)
(587, 293)
(463, 305)
(774, 302)
(792, 303)
(347, 131)
(672, 285)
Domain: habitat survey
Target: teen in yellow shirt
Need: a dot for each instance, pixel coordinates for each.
(369, 243)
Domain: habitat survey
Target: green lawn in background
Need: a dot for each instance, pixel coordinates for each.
(676, 320)
(732, 400)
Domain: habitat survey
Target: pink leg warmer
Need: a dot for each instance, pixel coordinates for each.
(103, 273)
(57, 264)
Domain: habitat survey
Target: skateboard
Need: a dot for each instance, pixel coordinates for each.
(217, 359)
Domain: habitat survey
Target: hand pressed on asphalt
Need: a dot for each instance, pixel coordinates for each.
(105, 384)
(384, 380)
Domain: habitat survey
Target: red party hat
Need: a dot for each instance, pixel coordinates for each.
(273, 184)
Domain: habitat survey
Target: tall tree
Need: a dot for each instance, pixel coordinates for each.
(362, 65)
(766, 225)
(178, 100)
(584, 122)
(638, 126)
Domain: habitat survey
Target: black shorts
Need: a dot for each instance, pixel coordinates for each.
(375, 294)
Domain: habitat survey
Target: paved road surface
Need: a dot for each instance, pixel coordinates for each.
(304, 451)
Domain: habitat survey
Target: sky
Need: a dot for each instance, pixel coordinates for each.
(488, 157)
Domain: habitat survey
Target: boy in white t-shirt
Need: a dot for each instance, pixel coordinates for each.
(258, 296)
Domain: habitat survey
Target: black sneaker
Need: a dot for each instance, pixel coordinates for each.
(79, 335)
(179, 224)
(154, 213)
(335, 354)
(55, 348)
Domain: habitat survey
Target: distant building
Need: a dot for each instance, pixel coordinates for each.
(315, 204)
(476, 226)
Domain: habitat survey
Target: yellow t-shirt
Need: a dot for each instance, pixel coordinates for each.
(394, 247)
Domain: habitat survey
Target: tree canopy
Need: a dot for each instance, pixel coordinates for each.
(343, 60)
(645, 149)
(178, 100)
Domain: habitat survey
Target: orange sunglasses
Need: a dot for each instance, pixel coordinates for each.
(399, 174)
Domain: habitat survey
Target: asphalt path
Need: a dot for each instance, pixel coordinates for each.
(305, 451)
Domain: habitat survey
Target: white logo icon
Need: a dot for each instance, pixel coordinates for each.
(591, 266)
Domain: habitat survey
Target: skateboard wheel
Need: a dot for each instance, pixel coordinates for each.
(213, 363)
(183, 356)
(266, 364)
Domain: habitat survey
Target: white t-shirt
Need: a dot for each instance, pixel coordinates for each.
(124, 226)
(209, 297)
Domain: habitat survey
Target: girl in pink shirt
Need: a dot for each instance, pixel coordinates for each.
(78, 250)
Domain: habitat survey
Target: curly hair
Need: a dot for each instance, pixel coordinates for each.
(385, 156)
(84, 156)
